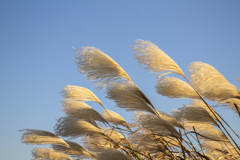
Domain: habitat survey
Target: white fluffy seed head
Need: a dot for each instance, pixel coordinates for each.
(75, 146)
(115, 116)
(155, 125)
(80, 93)
(112, 154)
(126, 95)
(194, 115)
(170, 119)
(153, 59)
(210, 83)
(175, 88)
(99, 67)
(200, 103)
(233, 103)
(97, 143)
(47, 153)
(146, 145)
(32, 136)
(81, 110)
(74, 127)
(221, 150)
(207, 131)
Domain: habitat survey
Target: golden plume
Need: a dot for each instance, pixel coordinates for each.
(175, 88)
(80, 93)
(153, 59)
(210, 83)
(76, 147)
(99, 67)
(32, 136)
(47, 153)
(116, 117)
(81, 110)
(74, 127)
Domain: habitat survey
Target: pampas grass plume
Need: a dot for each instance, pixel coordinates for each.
(80, 93)
(210, 83)
(116, 117)
(126, 95)
(74, 127)
(112, 154)
(154, 59)
(81, 110)
(47, 153)
(175, 88)
(32, 136)
(99, 67)
(75, 146)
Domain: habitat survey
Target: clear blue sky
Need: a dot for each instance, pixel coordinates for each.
(36, 58)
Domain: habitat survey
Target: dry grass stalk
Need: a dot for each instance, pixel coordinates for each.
(170, 141)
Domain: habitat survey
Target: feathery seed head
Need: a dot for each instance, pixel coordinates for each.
(81, 110)
(155, 125)
(74, 127)
(47, 153)
(175, 88)
(116, 117)
(80, 93)
(112, 154)
(32, 136)
(210, 83)
(126, 95)
(99, 67)
(75, 146)
(153, 59)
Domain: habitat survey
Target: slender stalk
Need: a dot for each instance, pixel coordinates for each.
(204, 148)
(170, 149)
(192, 146)
(198, 140)
(228, 148)
(228, 125)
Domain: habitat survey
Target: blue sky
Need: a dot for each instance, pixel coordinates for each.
(36, 58)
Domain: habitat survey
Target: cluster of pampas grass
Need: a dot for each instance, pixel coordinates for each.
(194, 131)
